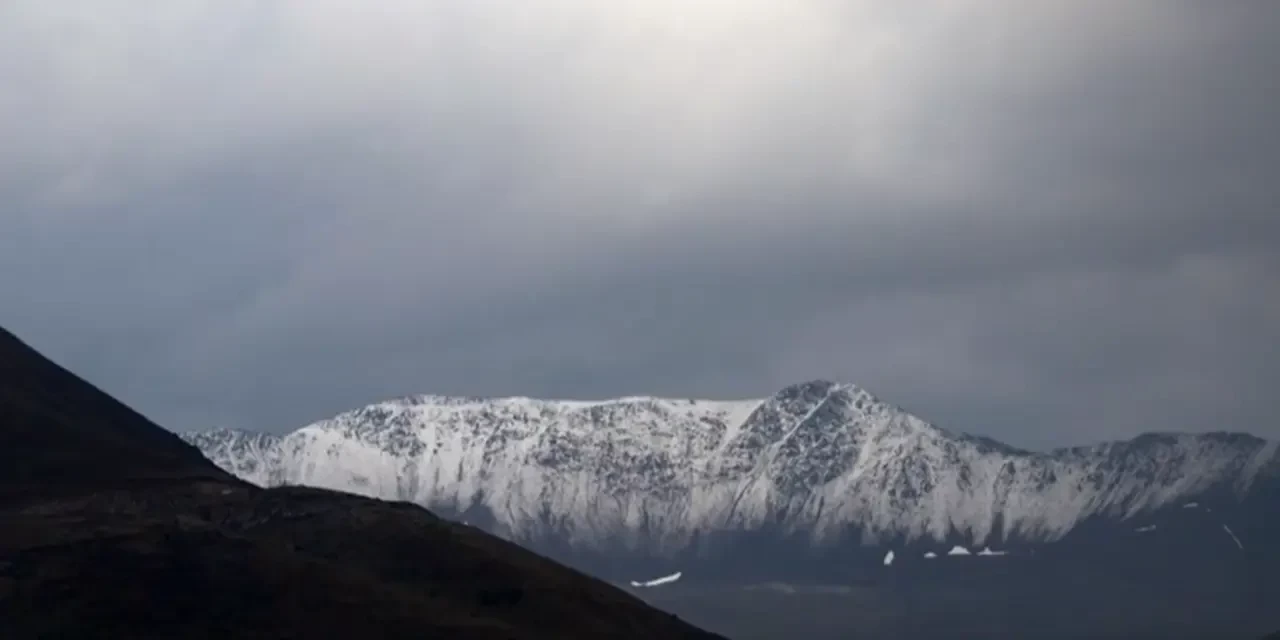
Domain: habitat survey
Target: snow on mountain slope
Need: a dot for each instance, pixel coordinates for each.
(819, 459)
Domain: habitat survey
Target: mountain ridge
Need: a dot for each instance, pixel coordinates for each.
(815, 459)
(52, 417)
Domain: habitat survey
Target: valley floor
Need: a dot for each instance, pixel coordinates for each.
(832, 612)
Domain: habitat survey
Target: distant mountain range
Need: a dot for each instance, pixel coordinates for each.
(817, 471)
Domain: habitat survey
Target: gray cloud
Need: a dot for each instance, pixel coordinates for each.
(1051, 225)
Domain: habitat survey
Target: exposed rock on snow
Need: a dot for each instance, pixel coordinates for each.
(818, 459)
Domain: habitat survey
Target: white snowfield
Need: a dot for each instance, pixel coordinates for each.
(658, 472)
(959, 551)
(658, 581)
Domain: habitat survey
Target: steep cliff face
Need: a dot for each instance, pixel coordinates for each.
(818, 462)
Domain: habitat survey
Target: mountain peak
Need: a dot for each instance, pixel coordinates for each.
(817, 458)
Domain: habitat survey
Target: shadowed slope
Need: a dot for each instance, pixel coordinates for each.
(112, 527)
(60, 433)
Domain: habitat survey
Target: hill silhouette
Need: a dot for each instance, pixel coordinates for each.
(60, 434)
(113, 527)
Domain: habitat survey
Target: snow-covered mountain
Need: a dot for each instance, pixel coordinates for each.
(819, 462)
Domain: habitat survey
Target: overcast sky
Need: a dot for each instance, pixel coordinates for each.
(1050, 223)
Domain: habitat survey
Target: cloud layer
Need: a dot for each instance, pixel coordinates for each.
(1049, 224)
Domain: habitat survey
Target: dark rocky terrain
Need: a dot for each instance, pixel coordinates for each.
(112, 527)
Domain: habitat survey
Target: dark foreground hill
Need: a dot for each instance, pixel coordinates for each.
(112, 527)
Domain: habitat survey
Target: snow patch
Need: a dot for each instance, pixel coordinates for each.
(1147, 529)
(1233, 535)
(986, 551)
(959, 551)
(1191, 505)
(929, 555)
(657, 581)
(888, 558)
